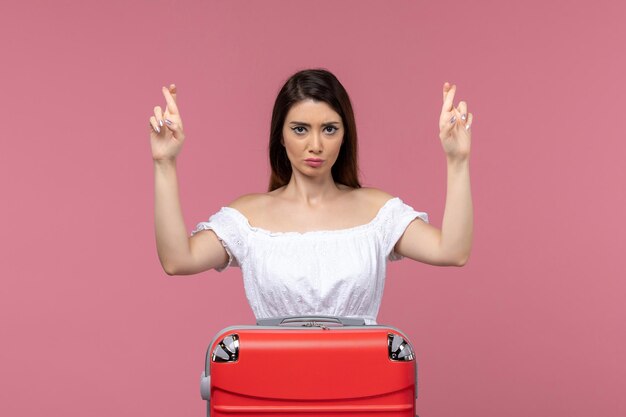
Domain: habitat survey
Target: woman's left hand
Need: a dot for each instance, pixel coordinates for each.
(454, 126)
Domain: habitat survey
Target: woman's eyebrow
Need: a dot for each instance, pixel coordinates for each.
(308, 125)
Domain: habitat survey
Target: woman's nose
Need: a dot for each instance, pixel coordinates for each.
(315, 145)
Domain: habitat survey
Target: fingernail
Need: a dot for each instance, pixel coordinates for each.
(463, 116)
(160, 122)
(467, 127)
(158, 129)
(168, 121)
(453, 119)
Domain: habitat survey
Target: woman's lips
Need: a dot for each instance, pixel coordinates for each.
(314, 162)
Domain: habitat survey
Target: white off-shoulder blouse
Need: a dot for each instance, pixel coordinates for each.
(327, 272)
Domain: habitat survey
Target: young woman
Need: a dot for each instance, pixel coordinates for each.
(316, 242)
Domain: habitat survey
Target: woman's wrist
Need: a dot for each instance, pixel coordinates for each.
(458, 162)
(164, 162)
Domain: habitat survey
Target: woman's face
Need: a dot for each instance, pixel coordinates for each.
(312, 136)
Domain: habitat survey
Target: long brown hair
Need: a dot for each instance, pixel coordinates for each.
(319, 85)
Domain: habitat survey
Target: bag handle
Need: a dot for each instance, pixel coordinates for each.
(311, 320)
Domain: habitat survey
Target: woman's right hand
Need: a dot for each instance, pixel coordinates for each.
(166, 128)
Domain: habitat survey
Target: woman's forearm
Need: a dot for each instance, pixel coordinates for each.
(458, 217)
(171, 235)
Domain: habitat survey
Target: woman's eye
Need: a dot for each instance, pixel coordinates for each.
(333, 129)
(295, 129)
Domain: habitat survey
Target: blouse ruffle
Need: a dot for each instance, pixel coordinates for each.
(335, 272)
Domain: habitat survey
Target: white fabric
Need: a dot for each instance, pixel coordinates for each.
(331, 272)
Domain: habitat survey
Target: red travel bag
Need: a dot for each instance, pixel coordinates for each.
(330, 366)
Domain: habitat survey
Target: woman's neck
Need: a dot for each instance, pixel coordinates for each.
(310, 191)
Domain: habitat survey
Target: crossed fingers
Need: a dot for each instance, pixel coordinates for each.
(156, 121)
(457, 113)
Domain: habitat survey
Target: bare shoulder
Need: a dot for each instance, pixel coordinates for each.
(373, 197)
(248, 202)
(253, 205)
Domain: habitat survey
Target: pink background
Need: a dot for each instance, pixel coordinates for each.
(533, 325)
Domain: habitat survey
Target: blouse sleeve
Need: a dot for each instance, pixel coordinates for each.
(398, 218)
(231, 233)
